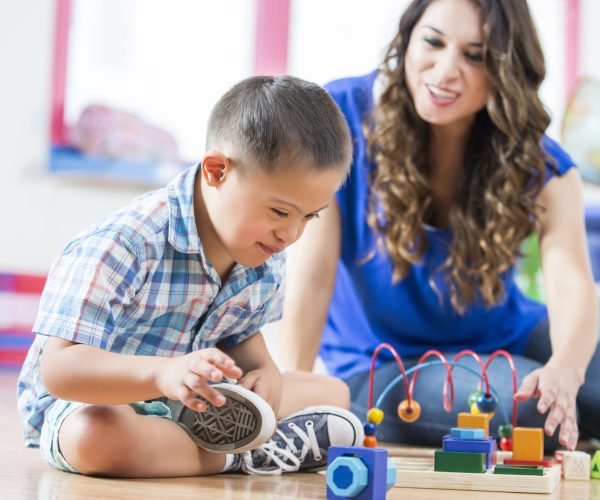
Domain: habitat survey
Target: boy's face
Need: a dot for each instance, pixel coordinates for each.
(255, 214)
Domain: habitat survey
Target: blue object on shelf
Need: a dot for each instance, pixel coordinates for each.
(69, 160)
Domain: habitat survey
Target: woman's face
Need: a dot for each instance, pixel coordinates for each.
(443, 64)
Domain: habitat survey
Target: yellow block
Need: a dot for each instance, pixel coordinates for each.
(471, 421)
(528, 443)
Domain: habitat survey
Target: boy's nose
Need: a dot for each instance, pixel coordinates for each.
(288, 234)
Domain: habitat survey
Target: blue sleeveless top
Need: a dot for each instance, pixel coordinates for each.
(367, 308)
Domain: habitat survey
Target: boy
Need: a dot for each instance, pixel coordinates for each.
(146, 311)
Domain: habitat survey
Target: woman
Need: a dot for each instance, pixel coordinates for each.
(452, 171)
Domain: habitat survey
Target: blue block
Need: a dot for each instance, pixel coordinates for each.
(487, 446)
(346, 474)
(462, 433)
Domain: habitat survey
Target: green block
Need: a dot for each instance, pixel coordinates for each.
(595, 466)
(519, 470)
(458, 461)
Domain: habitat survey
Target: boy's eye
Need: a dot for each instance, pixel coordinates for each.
(279, 213)
(434, 42)
(312, 216)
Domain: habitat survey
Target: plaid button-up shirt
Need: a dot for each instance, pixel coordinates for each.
(139, 283)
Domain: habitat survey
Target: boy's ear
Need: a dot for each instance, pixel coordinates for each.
(215, 167)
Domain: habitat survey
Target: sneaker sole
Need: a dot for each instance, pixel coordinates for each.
(243, 423)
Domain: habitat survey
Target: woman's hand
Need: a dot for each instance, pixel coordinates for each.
(556, 387)
(186, 377)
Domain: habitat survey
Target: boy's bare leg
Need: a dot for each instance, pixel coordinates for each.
(115, 441)
(302, 389)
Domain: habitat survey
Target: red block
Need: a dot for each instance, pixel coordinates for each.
(543, 463)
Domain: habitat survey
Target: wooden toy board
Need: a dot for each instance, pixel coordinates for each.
(422, 475)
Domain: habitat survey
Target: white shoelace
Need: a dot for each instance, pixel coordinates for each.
(286, 459)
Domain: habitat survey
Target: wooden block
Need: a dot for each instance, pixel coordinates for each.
(487, 446)
(528, 443)
(502, 455)
(576, 465)
(448, 461)
(423, 476)
(463, 433)
(595, 466)
(472, 421)
(519, 470)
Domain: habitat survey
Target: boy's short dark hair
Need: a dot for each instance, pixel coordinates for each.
(271, 118)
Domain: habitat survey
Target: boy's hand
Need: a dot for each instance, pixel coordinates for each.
(266, 382)
(185, 377)
(557, 388)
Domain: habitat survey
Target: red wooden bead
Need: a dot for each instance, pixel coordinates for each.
(506, 444)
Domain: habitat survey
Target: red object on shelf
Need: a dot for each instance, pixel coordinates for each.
(22, 283)
(19, 301)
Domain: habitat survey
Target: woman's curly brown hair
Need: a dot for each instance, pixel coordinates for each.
(495, 207)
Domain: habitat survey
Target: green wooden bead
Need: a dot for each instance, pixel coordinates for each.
(505, 430)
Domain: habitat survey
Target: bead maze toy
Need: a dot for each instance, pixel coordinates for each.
(467, 459)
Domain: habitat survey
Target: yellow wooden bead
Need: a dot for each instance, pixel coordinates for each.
(409, 413)
(474, 409)
(375, 416)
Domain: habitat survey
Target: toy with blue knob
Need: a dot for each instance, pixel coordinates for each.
(358, 472)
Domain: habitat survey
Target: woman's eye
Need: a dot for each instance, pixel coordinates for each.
(312, 216)
(474, 56)
(434, 42)
(279, 213)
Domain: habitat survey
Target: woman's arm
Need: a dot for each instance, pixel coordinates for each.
(572, 306)
(309, 285)
(569, 284)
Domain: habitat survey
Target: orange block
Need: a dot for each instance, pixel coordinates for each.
(475, 421)
(528, 443)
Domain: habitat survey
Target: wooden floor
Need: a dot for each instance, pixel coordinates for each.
(23, 475)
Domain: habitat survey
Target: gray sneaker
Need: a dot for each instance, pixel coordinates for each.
(301, 442)
(243, 423)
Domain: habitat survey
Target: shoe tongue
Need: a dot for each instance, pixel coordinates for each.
(291, 436)
(258, 457)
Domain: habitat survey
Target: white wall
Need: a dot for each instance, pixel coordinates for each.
(38, 212)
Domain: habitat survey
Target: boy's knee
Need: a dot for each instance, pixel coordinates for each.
(340, 392)
(90, 441)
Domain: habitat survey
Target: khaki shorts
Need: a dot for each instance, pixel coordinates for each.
(60, 410)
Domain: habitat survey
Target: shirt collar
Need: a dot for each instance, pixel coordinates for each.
(183, 234)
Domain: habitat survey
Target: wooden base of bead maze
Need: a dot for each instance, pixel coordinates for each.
(422, 475)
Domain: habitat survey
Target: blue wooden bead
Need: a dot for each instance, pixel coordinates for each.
(485, 403)
(370, 429)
